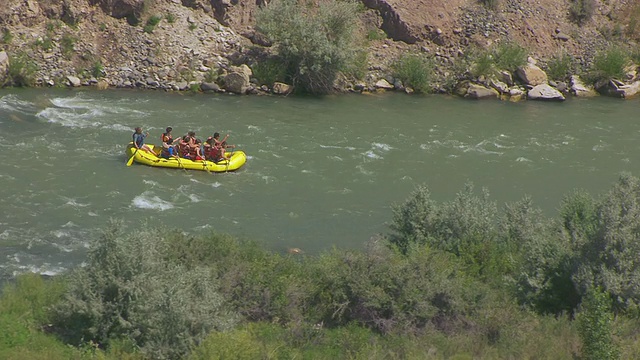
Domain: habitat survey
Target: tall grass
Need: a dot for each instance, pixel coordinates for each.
(559, 67)
(609, 64)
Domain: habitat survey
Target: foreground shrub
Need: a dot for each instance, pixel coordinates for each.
(129, 290)
(316, 42)
(391, 292)
(595, 327)
(414, 71)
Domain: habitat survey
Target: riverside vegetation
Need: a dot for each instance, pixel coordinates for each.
(461, 279)
(326, 46)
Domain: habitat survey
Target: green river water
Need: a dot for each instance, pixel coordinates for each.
(321, 172)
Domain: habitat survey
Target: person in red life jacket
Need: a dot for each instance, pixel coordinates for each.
(216, 153)
(183, 147)
(195, 150)
(216, 138)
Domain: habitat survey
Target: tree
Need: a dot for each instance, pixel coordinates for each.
(314, 42)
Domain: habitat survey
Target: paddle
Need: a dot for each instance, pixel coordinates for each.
(130, 161)
(180, 163)
(204, 162)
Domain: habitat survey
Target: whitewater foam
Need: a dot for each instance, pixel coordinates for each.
(146, 201)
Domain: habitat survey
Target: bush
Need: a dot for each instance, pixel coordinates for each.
(560, 66)
(151, 24)
(21, 71)
(414, 71)
(490, 4)
(483, 63)
(609, 64)
(270, 70)
(316, 41)
(595, 327)
(510, 56)
(7, 36)
(67, 43)
(581, 11)
(129, 290)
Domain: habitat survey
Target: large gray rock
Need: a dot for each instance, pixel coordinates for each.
(545, 92)
(209, 86)
(532, 75)
(237, 82)
(130, 9)
(73, 81)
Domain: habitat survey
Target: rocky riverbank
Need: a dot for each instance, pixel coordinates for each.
(212, 46)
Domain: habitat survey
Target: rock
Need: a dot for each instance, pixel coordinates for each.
(237, 82)
(102, 85)
(499, 85)
(4, 65)
(209, 86)
(532, 75)
(507, 78)
(73, 81)
(281, 88)
(130, 9)
(579, 89)
(545, 92)
(384, 84)
(182, 85)
(476, 91)
(562, 37)
(630, 90)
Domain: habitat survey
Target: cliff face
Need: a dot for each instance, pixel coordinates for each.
(197, 40)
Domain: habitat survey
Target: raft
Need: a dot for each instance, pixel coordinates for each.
(238, 158)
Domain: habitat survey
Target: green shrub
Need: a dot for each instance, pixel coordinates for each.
(21, 71)
(151, 24)
(97, 69)
(609, 64)
(270, 70)
(483, 63)
(560, 66)
(67, 43)
(45, 43)
(316, 41)
(130, 290)
(490, 4)
(414, 71)
(376, 34)
(7, 36)
(581, 11)
(170, 18)
(510, 56)
(193, 27)
(595, 327)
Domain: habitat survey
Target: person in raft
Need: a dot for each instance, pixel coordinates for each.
(215, 152)
(216, 138)
(168, 150)
(138, 140)
(166, 136)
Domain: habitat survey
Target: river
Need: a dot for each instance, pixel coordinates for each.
(321, 172)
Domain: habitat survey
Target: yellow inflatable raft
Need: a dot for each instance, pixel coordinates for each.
(238, 158)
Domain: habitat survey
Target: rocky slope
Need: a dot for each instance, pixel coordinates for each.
(196, 43)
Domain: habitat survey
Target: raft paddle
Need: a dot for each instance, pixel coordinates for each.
(130, 161)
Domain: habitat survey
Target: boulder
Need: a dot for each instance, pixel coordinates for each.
(499, 85)
(384, 84)
(579, 89)
(629, 90)
(532, 75)
(476, 91)
(281, 88)
(4, 65)
(545, 92)
(209, 86)
(237, 82)
(73, 81)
